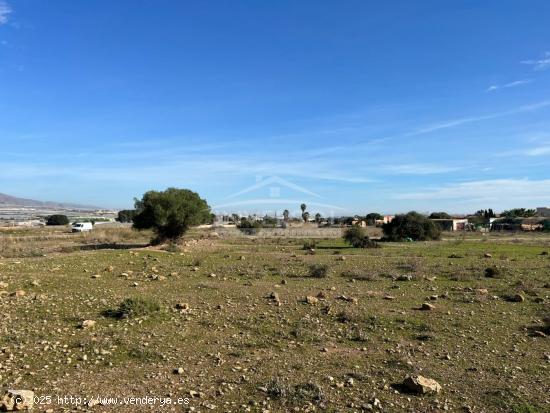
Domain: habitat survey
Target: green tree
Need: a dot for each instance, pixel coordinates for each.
(170, 213)
(318, 218)
(286, 214)
(519, 213)
(439, 215)
(126, 215)
(57, 219)
(412, 225)
(373, 217)
(305, 216)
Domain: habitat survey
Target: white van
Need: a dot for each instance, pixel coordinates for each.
(82, 226)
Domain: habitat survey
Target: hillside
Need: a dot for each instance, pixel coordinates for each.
(24, 202)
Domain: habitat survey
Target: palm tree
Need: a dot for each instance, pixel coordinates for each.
(286, 213)
(318, 218)
(303, 208)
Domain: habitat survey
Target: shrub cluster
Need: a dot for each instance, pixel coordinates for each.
(412, 226)
(357, 238)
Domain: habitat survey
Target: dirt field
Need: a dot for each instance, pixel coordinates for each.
(222, 324)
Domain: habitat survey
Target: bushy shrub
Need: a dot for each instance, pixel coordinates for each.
(57, 220)
(134, 307)
(357, 238)
(126, 215)
(492, 272)
(412, 225)
(318, 271)
(249, 227)
(309, 244)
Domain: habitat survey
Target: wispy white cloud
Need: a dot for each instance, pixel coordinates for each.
(541, 150)
(502, 192)
(507, 85)
(420, 169)
(5, 11)
(539, 64)
(458, 122)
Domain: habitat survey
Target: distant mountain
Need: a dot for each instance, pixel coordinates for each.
(23, 202)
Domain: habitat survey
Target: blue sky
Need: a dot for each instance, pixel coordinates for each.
(370, 106)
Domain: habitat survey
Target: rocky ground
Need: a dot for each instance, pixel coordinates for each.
(248, 325)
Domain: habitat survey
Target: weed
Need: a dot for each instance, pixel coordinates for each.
(318, 271)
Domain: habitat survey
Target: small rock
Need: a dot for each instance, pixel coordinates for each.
(18, 293)
(421, 385)
(88, 324)
(487, 255)
(182, 306)
(179, 370)
(311, 300)
(404, 278)
(427, 307)
(15, 400)
(516, 298)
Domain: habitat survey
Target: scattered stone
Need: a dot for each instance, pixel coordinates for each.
(16, 400)
(88, 324)
(96, 276)
(242, 258)
(389, 297)
(487, 255)
(404, 278)
(420, 385)
(311, 300)
(427, 307)
(18, 293)
(341, 258)
(3, 285)
(183, 307)
(348, 299)
(515, 298)
(110, 268)
(179, 370)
